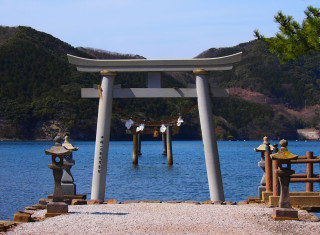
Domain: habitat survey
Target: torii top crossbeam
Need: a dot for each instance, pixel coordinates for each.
(144, 65)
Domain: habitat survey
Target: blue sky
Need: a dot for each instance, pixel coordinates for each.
(156, 29)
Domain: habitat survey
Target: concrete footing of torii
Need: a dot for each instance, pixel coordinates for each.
(106, 92)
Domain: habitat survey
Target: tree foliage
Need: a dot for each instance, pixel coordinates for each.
(295, 39)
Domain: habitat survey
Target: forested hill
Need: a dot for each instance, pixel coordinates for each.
(294, 83)
(40, 92)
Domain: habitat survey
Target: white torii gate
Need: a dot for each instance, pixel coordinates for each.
(108, 70)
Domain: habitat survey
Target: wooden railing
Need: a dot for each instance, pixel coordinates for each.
(272, 181)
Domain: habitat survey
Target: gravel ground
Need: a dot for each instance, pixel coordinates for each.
(168, 218)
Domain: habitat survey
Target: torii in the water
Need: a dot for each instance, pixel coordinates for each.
(109, 69)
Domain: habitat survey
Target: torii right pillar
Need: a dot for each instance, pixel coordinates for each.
(209, 136)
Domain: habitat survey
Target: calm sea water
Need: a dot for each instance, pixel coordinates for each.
(25, 177)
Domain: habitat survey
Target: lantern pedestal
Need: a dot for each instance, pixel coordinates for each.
(56, 208)
(57, 152)
(285, 214)
(284, 211)
(262, 164)
(67, 184)
(284, 157)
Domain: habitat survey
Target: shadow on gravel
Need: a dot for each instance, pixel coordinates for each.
(99, 213)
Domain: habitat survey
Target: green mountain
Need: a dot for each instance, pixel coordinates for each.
(294, 83)
(40, 92)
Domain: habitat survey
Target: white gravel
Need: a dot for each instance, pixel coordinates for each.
(167, 218)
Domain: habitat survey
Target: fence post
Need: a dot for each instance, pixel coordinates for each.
(169, 146)
(134, 148)
(276, 183)
(164, 144)
(268, 166)
(139, 144)
(309, 185)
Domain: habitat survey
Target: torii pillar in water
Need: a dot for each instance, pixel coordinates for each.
(106, 92)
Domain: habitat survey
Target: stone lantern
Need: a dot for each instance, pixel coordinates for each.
(284, 157)
(68, 186)
(57, 152)
(262, 149)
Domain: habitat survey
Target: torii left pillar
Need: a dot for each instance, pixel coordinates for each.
(102, 136)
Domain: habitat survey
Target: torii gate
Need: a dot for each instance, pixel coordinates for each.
(106, 92)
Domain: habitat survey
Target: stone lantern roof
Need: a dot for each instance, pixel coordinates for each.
(57, 149)
(283, 154)
(262, 147)
(68, 145)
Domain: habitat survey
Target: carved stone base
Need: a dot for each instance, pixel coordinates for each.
(285, 214)
(260, 190)
(56, 208)
(49, 215)
(68, 189)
